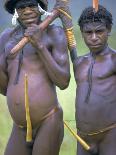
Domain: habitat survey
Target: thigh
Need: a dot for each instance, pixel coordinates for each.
(17, 143)
(108, 144)
(50, 135)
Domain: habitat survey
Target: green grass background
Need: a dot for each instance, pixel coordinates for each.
(67, 101)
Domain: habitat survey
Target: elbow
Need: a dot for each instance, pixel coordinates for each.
(63, 86)
(65, 83)
(3, 91)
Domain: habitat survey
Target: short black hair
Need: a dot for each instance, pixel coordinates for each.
(89, 15)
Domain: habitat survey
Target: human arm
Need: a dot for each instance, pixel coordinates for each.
(3, 73)
(55, 58)
(76, 67)
(3, 76)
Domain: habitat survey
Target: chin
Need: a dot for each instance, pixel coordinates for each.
(96, 51)
(27, 24)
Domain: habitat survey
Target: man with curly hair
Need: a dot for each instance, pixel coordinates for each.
(95, 75)
(45, 61)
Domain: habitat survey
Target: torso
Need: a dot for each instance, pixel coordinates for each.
(41, 91)
(99, 110)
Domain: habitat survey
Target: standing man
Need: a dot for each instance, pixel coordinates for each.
(95, 75)
(45, 61)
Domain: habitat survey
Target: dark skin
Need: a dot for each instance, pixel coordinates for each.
(45, 61)
(97, 111)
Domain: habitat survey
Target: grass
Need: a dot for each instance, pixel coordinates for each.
(5, 124)
(67, 100)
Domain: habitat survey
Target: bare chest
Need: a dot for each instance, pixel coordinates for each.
(97, 69)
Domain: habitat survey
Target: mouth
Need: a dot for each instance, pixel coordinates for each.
(29, 21)
(25, 17)
(95, 46)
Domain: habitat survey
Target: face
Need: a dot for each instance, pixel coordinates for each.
(95, 36)
(28, 14)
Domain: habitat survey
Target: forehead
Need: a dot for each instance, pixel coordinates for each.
(94, 26)
(26, 3)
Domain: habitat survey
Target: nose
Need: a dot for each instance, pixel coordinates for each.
(27, 10)
(94, 36)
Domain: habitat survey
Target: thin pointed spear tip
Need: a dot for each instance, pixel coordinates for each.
(96, 4)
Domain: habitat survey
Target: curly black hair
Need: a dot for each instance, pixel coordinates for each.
(89, 15)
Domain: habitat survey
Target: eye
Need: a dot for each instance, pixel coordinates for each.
(20, 7)
(99, 31)
(88, 32)
(19, 10)
(24, 6)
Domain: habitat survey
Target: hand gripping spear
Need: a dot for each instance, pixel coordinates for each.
(61, 10)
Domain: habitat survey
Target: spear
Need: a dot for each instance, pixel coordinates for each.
(95, 4)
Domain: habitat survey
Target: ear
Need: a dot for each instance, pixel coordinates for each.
(109, 30)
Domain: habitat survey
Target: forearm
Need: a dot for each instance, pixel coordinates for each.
(56, 72)
(4, 37)
(3, 82)
(3, 75)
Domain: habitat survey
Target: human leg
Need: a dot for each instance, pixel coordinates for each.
(108, 144)
(50, 135)
(17, 144)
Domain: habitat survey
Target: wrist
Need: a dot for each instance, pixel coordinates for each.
(40, 46)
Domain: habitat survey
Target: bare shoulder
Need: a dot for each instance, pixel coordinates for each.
(58, 44)
(55, 29)
(112, 53)
(4, 36)
(5, 33)
(56, 33)
(113, 56)
(80, 60)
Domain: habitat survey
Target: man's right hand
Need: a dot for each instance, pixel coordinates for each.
(34, 33)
